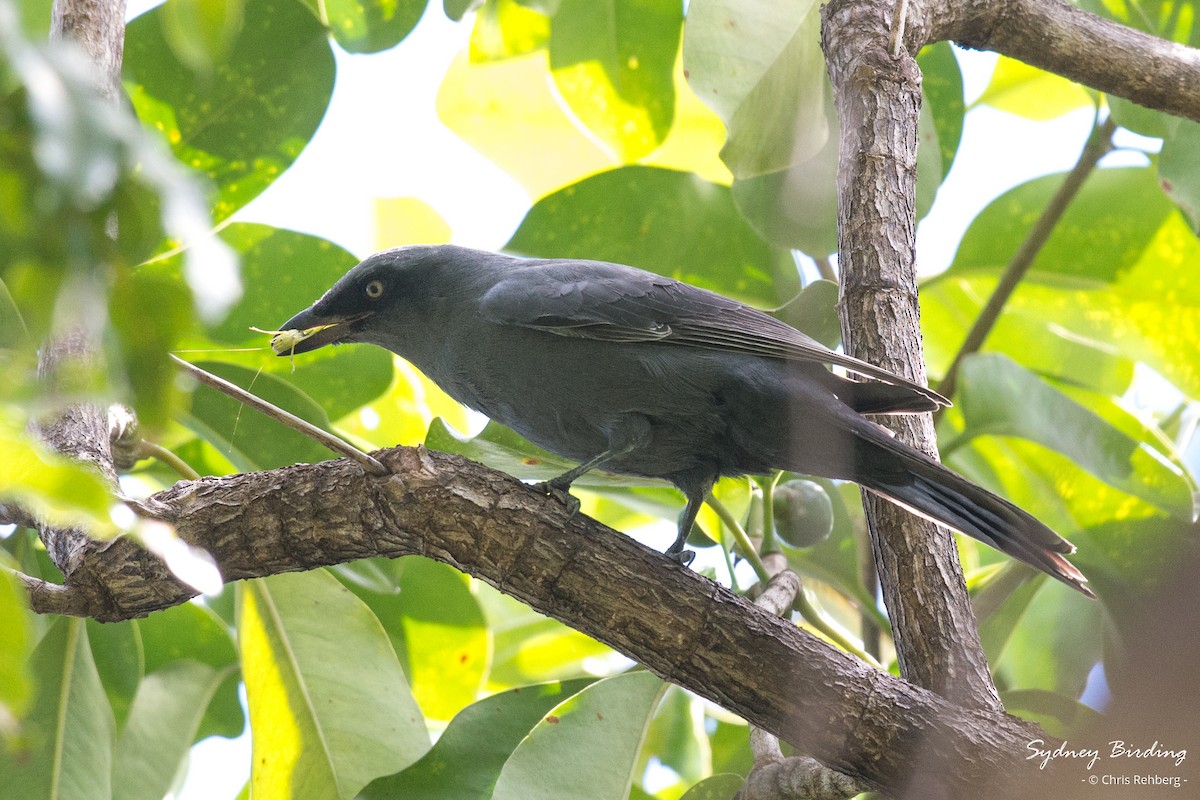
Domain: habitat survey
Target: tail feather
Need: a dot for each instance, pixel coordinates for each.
(925, 487)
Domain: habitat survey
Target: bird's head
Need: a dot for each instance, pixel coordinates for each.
(369, 302)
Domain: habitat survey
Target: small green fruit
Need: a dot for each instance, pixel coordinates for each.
(803, 513)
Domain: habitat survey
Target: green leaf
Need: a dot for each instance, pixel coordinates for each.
(814, 311)
(1104, 230)
(368, 26)
(162, 725)
(1179, 169)
(613, 64)
(942, 93)
(530, 648)
(244, 124)
(676, 737)
(51, 486)
(202, 32)
(758, 64)
(715, 787)
(586, 746)
(329, 705)
(196, 633)
(1000, 398)
(150, 313)
(668, 222)
(65, 752)
(1031, 93)
(468, 757)
(248, 438)
(507, 28)
(1042, 653)
(117, 652)
(438, 630)
(1058, 713)
(16, 643)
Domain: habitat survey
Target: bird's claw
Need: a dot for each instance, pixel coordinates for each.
(681, 556)
(570, 501)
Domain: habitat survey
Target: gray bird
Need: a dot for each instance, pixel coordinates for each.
(636, 373)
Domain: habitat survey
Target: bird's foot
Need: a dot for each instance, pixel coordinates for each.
(560, 493)
(681, 556)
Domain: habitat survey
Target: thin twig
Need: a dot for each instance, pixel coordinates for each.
(148, 449)
(334, 443)
(1098, 145)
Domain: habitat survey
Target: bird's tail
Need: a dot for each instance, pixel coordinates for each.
(922, 485)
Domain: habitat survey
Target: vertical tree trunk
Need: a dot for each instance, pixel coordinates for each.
(879, 100)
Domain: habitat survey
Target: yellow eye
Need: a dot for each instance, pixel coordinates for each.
(375, 289)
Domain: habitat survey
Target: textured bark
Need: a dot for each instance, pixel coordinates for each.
(98, 27)
(879, 100)
(867, 724)
(1060, 38)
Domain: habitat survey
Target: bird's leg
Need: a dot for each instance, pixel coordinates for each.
(677, 552)
(625, 435)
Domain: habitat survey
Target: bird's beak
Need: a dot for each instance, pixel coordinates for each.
(329, 330)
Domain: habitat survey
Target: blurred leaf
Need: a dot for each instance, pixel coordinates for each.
(758, 64)
(942, 93)
(1029, 92)
(117, 653)
(715, 787)
(1179, 169)
(530, 648)
(814, 311)
(408, 220)
(51, 486)
(457, 9)
(730, 744)
(999, 398)
(244, 124)
(1043, 653)
(587, 745)
(1058, 713)
(612, 63)
(66, 747)
(468, 756)
(162, 725)
(246, 437)
(35, 18)
(668, 222)
(328, 701)
(16, 643)
(149, 314)
(368, 26)
(195, 633)
(202, 32)
(676, 737)
(507, 28)
(1139, 119)
(403, 413)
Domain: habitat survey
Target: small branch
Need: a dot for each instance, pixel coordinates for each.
(334, 443)
(1068, 41)
(1098, 145)
(148, 449)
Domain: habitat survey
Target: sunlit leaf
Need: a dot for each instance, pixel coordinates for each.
(612, 62)
(507, 28)
(16, 643)
(468, 757)
(49, 485)
(202, 32)
(999, 398)
(244, 124)
(368, 26)
(328, 702)
(587, 745)
(408, 220)
(1029, 92)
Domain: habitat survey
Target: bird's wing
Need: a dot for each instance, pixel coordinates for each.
(612, 303)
